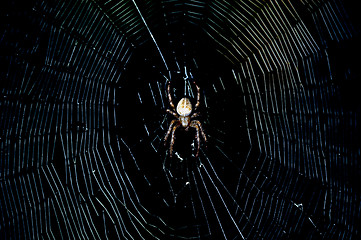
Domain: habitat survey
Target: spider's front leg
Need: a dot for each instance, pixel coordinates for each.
(194, 125)
(169, 131)
(173, 138)
(198, 126)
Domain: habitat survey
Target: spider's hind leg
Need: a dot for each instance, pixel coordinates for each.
(170, 96)
(198, 95)
(172, 112)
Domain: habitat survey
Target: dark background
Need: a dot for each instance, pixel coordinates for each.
(83, 101)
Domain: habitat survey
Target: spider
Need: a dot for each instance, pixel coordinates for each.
(184, 119)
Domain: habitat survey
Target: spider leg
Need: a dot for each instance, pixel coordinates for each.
(170, 96)
(196, 114)
(198, 123)
(198, 96)
(169, 131)
(172, 112)
(173, 138)
(195, 125)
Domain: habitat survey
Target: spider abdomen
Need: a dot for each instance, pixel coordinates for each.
(184, 107)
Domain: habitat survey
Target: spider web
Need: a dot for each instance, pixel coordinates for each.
(83, 117)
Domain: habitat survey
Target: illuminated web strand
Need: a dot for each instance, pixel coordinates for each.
(212, 204)
(220, 196)
(155, 42)
(296, 131)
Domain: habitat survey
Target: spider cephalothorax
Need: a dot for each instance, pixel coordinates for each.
(184, 116)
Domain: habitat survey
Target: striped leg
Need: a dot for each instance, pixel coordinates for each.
(201, 129)
(169, 130)
(173, 138)
(195, 125)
